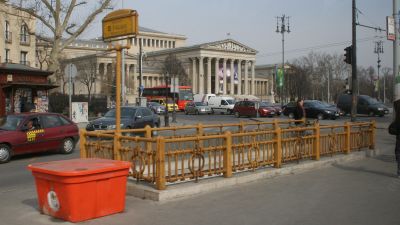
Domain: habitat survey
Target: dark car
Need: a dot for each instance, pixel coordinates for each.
(131, 117)
(248, 108)
(365, 105)
(156, 107)
(36, 132)
(313, 109)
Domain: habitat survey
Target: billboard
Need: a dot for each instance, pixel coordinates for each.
(80, 112)
(390, 28)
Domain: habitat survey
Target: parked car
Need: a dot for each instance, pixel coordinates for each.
(365, 105)
(313, 109)
(36, 132)
(169, 105)
(131, 117)
(197, 108)
(156, 107)
(248, 108)
(277, 107)
(221, 104)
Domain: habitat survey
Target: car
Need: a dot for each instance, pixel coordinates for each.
(170, 104)
(365, 105)
(36, 132)
(132, 117)
(313, 109)
(277, 107)
(197, 108)
(156, 107)
(248, 108)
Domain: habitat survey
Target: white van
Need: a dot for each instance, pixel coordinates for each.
(202, 97)
(221, 104)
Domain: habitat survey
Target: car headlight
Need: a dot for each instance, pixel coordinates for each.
(327, 111)
(113, 126)
(380, 109)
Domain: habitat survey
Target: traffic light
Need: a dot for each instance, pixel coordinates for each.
(348, 54)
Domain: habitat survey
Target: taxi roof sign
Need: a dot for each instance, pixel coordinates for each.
(120, 23)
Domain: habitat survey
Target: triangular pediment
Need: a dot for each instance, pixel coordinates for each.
(229, 45)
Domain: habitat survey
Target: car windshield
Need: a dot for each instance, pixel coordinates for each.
(231, 101)
(10, 122)
(155, 104)
(372, 101)
(125, 112)
(186, 95)
(200, 104)
(266, 104)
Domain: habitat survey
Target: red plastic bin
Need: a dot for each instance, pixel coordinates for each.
(80, 189)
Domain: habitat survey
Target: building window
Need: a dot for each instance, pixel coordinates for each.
(7, 32)
(173, 44)
(161, 44)
(152, 43)
(7, 59)
(24, 36)
(157, 43)
(24, 58)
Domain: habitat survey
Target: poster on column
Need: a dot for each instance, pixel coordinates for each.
(80, 112)
(235, 75)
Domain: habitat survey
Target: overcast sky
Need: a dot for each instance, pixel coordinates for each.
(314, 24)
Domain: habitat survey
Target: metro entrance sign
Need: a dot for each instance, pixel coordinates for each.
(120, 23)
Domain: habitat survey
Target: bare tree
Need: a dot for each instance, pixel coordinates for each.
(87, 75)
(174, 67)
(62, 19)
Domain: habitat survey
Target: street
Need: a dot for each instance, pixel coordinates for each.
(356, 193)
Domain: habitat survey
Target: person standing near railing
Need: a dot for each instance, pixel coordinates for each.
(396, 107)
(299, 112)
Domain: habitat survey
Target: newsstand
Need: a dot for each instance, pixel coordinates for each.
(80, 189)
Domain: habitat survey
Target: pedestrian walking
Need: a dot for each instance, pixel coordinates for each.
(300, 113)
(396, 107)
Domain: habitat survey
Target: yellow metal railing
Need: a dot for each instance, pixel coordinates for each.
(193, 152)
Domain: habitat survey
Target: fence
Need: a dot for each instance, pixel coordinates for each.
(186, 153)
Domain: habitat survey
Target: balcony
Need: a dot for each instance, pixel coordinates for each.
(8, 37)
(25, 39)
(27, 63)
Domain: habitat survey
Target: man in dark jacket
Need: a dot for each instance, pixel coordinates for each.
(299, 112)
(396, 107)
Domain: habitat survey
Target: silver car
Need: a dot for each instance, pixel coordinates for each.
(156, 107)
(197, 108)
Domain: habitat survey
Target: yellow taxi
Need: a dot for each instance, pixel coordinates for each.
(170, 104)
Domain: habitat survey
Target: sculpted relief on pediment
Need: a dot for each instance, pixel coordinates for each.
(230, 46)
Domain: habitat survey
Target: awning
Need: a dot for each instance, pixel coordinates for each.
(30, 85)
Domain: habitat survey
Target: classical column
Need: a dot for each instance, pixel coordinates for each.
(104, 79)
(239, 85)
(128, 79)
(232, 92)
(201, 76)
(208, 75)
(216, 81)
(246, 77)
(253, 77)
(194, 75)
(224, 84)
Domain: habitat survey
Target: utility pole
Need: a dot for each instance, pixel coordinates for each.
(378, 50)
(281, 25)
(354, 82)
(395, 52)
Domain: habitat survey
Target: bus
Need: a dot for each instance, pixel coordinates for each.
(185, 94)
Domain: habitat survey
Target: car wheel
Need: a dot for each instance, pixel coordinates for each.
(5, 153)
(186, 112)
(320, 116)
(67, 146)
(371, 113)
(212, 111)
(291, 115)
(129, 134)
(237, 114)
(197, 112)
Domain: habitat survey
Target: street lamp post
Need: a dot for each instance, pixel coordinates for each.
(378, 50)
(166, 115)
(282, 26)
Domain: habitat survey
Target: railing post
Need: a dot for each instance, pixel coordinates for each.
(148, 135)
(82, 143)
(117, 146)
(160, 164)
(228, 155)
(278, 150)
(241, 127)
(347, 142)
(373, 131)
(317, 133)
(200, 129)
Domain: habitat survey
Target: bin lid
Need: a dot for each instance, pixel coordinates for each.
(77, 167)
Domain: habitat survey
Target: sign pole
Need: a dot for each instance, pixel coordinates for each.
(70, 90)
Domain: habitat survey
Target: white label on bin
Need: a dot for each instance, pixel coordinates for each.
(53, 201)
